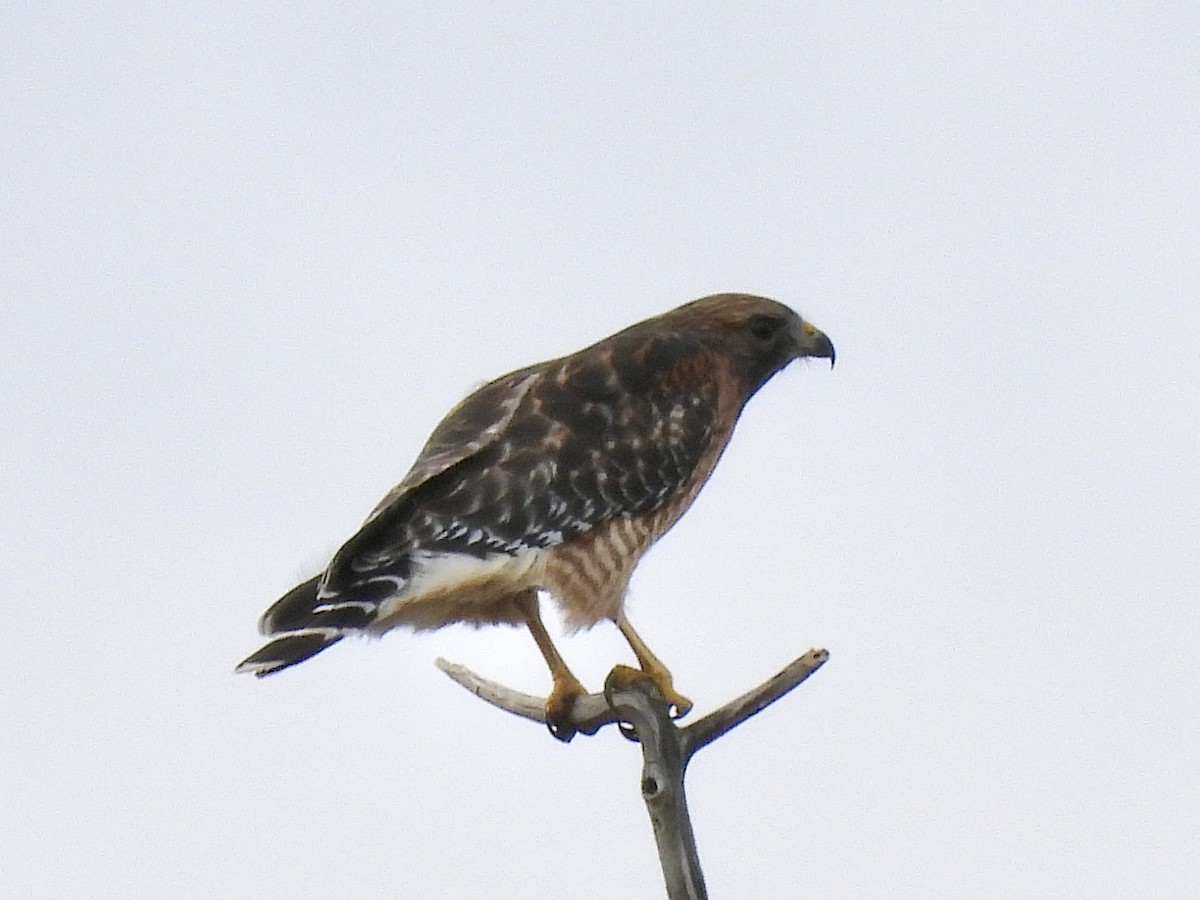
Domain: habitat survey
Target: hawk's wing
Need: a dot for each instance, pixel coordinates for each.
(537, 458)
(476, 422)
(473, 425)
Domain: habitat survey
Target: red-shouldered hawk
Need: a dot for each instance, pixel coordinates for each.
(554, 478)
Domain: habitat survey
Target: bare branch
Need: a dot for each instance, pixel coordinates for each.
(641, 704)
(704, 731)
(666, 748)
(589, 714)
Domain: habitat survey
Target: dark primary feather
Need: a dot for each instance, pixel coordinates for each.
(287, 650)
(304, 633)
(295, 610)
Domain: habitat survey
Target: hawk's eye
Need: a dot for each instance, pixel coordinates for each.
(764, 328)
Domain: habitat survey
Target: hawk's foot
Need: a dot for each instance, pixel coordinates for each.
(559, 705)
(678, 705)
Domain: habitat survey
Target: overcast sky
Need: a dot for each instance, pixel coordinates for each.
(252, 255)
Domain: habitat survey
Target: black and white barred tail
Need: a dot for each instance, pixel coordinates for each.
(301, 629)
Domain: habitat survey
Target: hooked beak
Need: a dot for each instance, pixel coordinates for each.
(811, 341)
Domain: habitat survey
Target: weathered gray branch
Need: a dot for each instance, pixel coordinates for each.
(664, 761)
(704, 731)
(588, 715)
(666, 748)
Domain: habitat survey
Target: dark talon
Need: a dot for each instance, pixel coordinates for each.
(562, 731)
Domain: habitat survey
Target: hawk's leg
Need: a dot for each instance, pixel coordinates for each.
(566, 686)
(652, 668)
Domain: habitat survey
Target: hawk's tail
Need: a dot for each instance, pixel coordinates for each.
(289, 649)
(301, 627)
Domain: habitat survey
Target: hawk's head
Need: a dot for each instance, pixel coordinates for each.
(759, 335)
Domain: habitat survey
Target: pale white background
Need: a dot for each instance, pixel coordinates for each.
(251, 255)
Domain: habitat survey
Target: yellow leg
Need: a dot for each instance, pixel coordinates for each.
(566, 686)
(652, 668)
